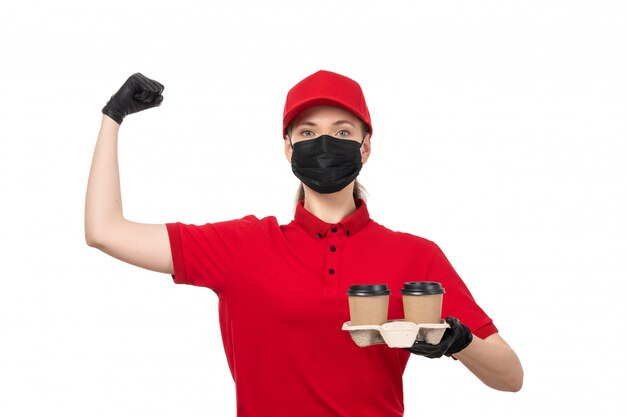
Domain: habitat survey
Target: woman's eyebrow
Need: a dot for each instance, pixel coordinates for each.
(340, 122)
(306, 123)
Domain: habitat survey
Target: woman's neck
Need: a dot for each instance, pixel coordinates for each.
(331, 208)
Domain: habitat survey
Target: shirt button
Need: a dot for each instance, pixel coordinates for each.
(347, 233)
(334, 229)
(332, 249)
(319, 235)
(331, 271)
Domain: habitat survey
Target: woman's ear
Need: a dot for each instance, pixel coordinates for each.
(288, 149)
(366, 148)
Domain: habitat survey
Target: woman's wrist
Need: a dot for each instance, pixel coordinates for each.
(109, 123)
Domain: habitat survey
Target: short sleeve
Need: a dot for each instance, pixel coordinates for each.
(457, 299)
(204, 255)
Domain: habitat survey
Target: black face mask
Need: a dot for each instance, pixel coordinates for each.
(326, 164)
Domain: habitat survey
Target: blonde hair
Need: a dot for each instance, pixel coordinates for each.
(358, 192)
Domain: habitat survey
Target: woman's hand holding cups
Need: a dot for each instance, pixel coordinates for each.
(456, 338)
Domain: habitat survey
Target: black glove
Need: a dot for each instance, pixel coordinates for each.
(455, 339)
(138, 93)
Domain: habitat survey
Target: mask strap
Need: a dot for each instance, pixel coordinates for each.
(290, 142)
(362, 141)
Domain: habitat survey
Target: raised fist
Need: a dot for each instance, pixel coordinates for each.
(138, 93)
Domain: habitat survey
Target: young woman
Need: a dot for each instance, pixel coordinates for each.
(282, 288)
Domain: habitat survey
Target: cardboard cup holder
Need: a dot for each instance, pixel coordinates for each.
(396, 333)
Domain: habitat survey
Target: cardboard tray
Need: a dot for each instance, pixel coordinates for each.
(396, 333)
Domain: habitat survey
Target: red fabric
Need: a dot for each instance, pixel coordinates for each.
(281, 309)
(457, 300)
(325, 87)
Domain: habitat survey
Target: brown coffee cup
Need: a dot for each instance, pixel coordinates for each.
(369, 304)
(422, 301)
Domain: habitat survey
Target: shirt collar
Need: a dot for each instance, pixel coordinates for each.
(317, 228)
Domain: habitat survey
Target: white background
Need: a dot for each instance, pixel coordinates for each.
(499, 133)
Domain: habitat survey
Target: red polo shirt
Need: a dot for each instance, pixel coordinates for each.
(282, 302)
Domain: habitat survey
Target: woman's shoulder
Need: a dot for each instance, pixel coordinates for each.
(255, 219)
(401, 236)
(261, 221)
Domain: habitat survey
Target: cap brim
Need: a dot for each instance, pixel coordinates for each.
(316, 101)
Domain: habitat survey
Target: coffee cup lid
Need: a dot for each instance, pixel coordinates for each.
(368, 290)
(422, 288)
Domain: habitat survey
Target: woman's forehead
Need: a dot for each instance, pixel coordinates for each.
(324, 113)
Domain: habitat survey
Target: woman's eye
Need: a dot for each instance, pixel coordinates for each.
(344, 133)
(306, 132)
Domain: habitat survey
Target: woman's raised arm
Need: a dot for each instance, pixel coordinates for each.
(140, 244)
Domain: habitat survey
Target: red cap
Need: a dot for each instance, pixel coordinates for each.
(325, 87)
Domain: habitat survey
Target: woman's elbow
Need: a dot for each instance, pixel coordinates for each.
(516, 385)
(515, 382)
